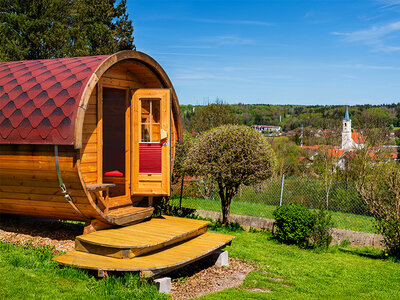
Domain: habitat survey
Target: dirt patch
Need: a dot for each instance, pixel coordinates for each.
(203, 278)
(39, 232)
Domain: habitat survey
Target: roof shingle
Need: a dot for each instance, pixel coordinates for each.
(39, 98)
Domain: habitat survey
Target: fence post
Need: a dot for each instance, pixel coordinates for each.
(180, 198)
(283, 181)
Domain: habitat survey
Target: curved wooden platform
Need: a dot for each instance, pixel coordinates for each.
(155, 262)
(151, 247)
(134, 240)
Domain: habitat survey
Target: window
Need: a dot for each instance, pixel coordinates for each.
(150, 121)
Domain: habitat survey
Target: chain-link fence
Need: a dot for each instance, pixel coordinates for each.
(348, 209)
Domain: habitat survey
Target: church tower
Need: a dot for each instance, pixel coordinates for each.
(347, 141)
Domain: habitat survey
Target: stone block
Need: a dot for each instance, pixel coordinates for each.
(163, 285)
(221, 259)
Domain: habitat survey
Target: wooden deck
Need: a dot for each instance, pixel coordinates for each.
(131, 241)
(129, 214)
(151, 247)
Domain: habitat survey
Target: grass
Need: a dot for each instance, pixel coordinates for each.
(294, 273)
(287, 272)
(28, 273)
(341, 220)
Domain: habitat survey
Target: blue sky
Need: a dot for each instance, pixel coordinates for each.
(274, 52)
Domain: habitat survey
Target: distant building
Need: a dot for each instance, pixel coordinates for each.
(266, 128)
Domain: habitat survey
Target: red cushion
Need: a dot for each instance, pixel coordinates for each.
(115, 173)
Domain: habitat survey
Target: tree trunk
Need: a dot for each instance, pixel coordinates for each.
(225, 211)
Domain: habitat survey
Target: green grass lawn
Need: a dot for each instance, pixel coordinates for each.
(286, 271)
(341, 220)
(293, 273)
(29, 273)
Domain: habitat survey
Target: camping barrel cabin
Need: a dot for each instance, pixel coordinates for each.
(103, 128)
(92, 139)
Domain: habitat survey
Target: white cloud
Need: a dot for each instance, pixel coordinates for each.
(222, 40)
(234, 22)
(375, 36)
(390, 4)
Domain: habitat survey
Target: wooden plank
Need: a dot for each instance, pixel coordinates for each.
(36, 190)
(120, 201)
(120, 83)
(78, 197)
(164, 260)
(90, 119)
(131, 218)
(89, 167)
(34, 165)
(99, 130)
(41, 207)
(89, 157)
(90, 148)
(50, 175)
(13, 181)
(126, 210)
(89, 138)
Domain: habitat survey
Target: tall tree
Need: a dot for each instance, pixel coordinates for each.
(36, 29)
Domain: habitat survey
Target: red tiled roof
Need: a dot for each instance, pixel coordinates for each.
(337, 152)
(357, 137)
(39, 98)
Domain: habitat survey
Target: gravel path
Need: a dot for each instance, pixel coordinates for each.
(195, 280)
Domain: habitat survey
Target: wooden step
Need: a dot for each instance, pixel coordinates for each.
(144, 237)
(151, 264)
(129, 214)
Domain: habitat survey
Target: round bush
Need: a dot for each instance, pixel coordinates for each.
(294, 224)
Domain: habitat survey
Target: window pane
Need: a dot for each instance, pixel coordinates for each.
(145, 111)
(156, 133)
(146, 133)
(156, 111)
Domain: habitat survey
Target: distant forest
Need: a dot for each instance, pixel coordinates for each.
(290, 117)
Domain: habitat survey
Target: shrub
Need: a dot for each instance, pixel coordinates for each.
(380, 188)
(294, 224)
(232, 155)
(321, 236)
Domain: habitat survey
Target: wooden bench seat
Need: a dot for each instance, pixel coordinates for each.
(97, 188)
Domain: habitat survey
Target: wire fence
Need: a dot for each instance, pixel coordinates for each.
(342, 199)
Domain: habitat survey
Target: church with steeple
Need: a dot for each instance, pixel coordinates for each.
(351, 140)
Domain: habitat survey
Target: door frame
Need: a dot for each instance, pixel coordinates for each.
(165, 122)
(100, 140)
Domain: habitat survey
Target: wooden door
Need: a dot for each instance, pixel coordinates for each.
(150, 142)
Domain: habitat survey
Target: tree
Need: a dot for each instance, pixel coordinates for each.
(325, 166)
(380, 188)
(38, 29)
(232, 155)
(288, 155)
(211, 116)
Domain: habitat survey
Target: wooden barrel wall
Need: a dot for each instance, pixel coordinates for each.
(29, 184)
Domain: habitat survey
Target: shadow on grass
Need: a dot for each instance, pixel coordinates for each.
(365, 252)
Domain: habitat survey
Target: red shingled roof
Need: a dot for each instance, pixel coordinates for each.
(357, 137)
(39, 98)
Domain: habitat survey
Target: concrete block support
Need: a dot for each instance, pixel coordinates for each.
(163, 285)
(221, 259)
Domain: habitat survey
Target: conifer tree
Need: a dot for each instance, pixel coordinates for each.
(37, 29)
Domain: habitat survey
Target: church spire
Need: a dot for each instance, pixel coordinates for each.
(346, 114)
